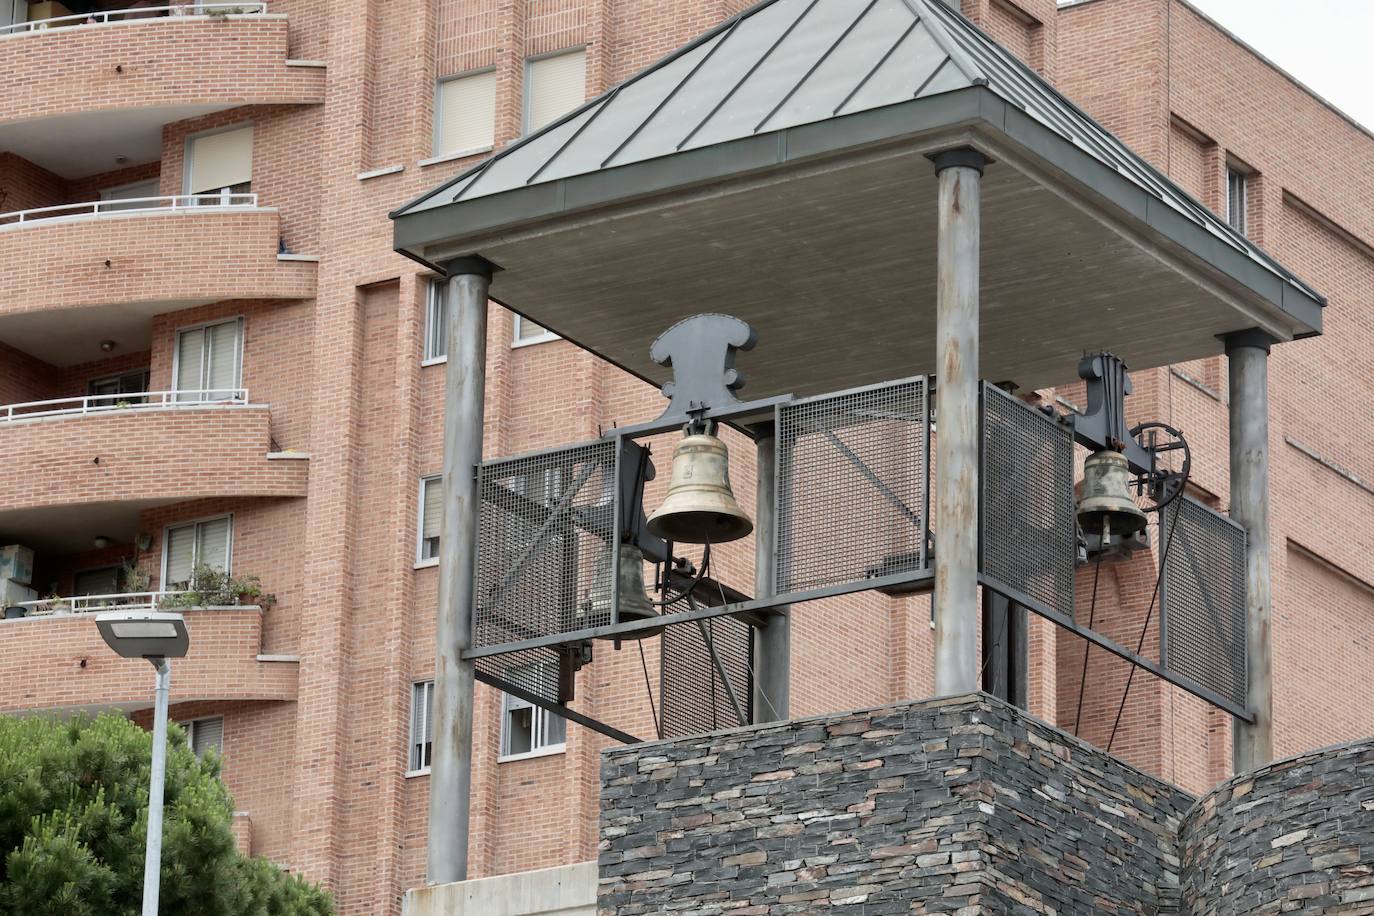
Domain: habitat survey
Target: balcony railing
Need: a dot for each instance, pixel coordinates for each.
(127, 205)
(96, 604)
(144, 12)
(141, 400)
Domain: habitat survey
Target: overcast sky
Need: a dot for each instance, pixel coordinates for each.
(1326, 44)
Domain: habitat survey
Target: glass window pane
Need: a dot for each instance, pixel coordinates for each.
(431, 517)
(190, 359)
(436, 321)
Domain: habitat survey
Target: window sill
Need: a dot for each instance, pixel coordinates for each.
(542, 752)
(433, 361)
(531, 341)
(411, 774)
(449, 157)
(426, 564)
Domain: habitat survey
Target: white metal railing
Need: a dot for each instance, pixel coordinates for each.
(128, 205)
(144, 12)
(94, 604)
(104, 403)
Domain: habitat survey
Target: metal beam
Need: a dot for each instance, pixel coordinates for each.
(450, 781)
(955, 486)
(772, 640)
(568, 713)
(1248, 355)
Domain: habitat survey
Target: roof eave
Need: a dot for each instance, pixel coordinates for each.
(1281, 305)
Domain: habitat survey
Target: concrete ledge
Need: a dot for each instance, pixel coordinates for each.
(569, 890)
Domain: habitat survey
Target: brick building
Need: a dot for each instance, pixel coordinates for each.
(242, 373)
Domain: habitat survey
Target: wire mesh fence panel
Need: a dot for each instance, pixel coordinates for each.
(693, 697)
(544, 546)
(852, 486)
(1202, 598)
(1029, 537)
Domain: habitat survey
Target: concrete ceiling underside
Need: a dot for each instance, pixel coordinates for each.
(88, 143)
(835, 268)
(73, 529)
(68, 337)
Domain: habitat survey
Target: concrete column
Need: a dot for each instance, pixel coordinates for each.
(1248, 354)
(955, 485)
(450, 779)
(773, 641)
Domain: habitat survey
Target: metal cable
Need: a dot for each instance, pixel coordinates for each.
(1092, 615)
(653, 709)
(1149, 614)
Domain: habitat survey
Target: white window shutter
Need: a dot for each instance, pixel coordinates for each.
(220, 160)
(465, 113)
(557, 85)
(180, 554)
(212, 548)
(434, 508)
(222, 366)
(206, 734)
(190, 359)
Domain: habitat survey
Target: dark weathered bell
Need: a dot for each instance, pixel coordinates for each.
(1106, 507)
(634, 603)
(700, 507)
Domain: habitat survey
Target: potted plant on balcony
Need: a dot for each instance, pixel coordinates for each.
(248, 590)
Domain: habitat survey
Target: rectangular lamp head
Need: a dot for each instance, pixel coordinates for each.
(144, 634)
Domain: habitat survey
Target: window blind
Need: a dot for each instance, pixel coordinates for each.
(180, 554)
(421, 725)
(220, 160)
(433, 525)
(206, 734)
(557, 85)
(465, 113)
(212, 543)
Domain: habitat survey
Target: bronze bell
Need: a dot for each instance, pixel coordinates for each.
(634, 603)
(700, 507)
(1106, 507)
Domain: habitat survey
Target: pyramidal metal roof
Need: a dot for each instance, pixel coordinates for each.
(786, 63)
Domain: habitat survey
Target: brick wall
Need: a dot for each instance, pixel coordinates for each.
(150, 63)
(158, 256)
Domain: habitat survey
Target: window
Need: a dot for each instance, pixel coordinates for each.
(119, 389)
(465, 114)
(185, 547)
(137, 191)
(436, 321)
(103, 581)
(421, 725)
(527, 332)
(431, 518)
(208, 363)
(205, 734)
(554, 86)
(1236, 204)
(220, 164)
(528, 730)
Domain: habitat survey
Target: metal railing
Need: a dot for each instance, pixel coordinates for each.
(94, 604)
(128, 205)
(105, 403)
(137, 13)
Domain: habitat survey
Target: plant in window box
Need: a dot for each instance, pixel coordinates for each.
(248, 590)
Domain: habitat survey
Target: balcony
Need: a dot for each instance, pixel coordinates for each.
(82, 457)
(126, 73)
(57, 661)
(121, 262)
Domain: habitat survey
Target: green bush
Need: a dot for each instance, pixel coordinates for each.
(74, 815)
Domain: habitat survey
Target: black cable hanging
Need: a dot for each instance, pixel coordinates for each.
(1149, 614)
(653, 708)
(1092, 616)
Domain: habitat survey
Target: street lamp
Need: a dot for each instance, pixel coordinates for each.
(156, 637)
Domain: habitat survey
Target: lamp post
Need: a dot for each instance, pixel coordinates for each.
(158, 638)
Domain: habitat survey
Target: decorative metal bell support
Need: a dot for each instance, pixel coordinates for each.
(700, 507)
(1106, 508)
(634, 602)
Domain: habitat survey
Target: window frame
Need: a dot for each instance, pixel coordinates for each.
(438, 128)
(187, 160)
(526, 83)
(189, 725)
(539, 721)
(517, 341)
(200, 326)
(416, 687)
(229, 546)
(1242, 179)
(421, 561)
(435, 291)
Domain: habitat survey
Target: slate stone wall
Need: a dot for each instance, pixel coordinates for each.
(961, 805)
(1296, 836)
